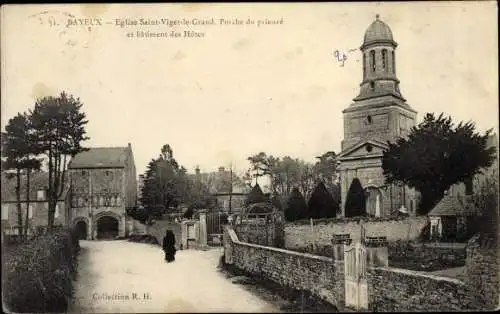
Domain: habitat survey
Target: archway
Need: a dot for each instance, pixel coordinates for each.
(107, 227)
(81, 230)
(373, 202)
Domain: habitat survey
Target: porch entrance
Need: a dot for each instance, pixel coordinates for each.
(107, 227)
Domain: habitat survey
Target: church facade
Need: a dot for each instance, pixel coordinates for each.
(378, 114)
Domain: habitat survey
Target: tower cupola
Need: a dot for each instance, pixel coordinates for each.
(379, 62)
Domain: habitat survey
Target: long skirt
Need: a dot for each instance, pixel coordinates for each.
(170, 254)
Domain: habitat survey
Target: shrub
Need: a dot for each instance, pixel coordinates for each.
(296, 206)
(38, 275)
(355, 200)
(321, 204)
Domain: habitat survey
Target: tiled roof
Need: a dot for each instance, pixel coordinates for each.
(38, 181)
(450, 205)
(100, 157)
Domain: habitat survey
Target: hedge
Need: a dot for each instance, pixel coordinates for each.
(38, 276)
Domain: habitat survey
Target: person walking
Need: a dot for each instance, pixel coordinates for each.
(169, 246)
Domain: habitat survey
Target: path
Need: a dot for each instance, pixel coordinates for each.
(122, 276)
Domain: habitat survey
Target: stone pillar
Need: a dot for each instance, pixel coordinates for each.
(203, 229)
(377, 251)
(339, 241)
(184, 234)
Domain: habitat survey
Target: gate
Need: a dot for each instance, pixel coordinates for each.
(356, 287)
(215, 228)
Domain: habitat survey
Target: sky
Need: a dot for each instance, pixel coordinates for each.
(242, 89)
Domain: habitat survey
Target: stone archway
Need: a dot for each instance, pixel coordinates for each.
(374, 202)
(81, 229)
(107, 227)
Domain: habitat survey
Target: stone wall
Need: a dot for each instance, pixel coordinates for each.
(392, 289)
(389, 289)
(159, 228)
(263, 234)
(298, 235)
(482, 270)
(301, 271)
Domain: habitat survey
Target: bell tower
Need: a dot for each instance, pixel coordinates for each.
(379, 111)
(377, 115)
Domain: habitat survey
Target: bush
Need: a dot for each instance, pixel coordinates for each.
(38, 275)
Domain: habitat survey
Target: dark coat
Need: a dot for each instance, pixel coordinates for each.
(169, 241)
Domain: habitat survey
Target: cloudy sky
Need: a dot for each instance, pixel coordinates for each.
(242, 89)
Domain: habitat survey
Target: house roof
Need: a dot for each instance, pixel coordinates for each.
(100, 157)
(38, 181)
(450, 205)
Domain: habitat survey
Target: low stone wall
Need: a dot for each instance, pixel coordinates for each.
(299, 234)
(263, 234)
(389, 289)
(318, 275)
(393, 290)
(160, 227)
(482, 269)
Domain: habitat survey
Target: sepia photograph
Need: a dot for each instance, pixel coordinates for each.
(250, 157)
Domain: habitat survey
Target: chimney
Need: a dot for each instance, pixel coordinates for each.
(197, 170)
(221, 169)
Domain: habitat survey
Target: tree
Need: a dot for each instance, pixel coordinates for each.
(296, 207)
(436, 155)
(485, 200)
(59, 130)
(18, 146)
(325, 169)
(321, 203)
(355, 203)
(165, 184)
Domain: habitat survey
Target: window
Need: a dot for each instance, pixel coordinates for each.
(30, 212)
(84, 173)
(40, 195)
(369, 119)
(5, 212)
(372, 60)
(56, 213)
(393, 63)
(372, 86)
(108, 173)
(384, 59)
(364, 65)
(369, 148)
(118, 200)
(106, 201)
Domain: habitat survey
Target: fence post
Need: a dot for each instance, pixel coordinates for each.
(203, 229)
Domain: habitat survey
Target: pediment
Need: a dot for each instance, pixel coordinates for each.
(366, 148)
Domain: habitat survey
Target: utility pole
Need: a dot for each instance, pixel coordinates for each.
(230, 188)
(91, 213)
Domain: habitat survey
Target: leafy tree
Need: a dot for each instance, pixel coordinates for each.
(326, 169)
(355, 203)
(256, 196)
(165, 184)
(485, 200)
(59, 130)
(18, 146)
(275, 200)
(296, 206)
(321, 203)
(436, 155)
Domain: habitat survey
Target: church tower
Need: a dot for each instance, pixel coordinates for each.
(379, 113)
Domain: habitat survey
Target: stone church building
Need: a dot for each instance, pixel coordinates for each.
(377, 115)
(103, 186)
